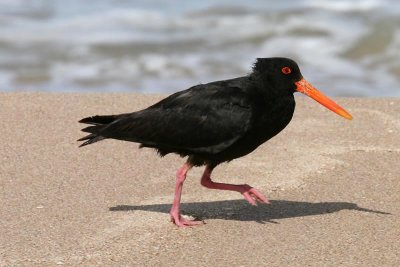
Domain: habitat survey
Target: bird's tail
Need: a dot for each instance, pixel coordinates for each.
(100, 120)
(99, 123)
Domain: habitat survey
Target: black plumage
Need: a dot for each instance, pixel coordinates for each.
(211, 123)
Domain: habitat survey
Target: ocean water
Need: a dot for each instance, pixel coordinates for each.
(343, 47)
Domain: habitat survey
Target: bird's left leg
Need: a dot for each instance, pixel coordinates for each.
(175, 212)
(251, 194)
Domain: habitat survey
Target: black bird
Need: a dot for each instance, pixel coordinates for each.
(214, 122)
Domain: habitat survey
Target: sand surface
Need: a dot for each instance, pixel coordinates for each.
(334, 186)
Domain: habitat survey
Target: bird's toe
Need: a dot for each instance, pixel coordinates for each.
(180, 221)
(252, 195)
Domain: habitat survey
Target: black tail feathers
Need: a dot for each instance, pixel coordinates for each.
(98, 122)
(91, 138)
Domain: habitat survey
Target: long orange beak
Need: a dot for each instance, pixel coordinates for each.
(306, 88)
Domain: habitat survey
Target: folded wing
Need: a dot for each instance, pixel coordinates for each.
(202, 120)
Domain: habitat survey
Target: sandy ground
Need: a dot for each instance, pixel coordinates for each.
(334, 186)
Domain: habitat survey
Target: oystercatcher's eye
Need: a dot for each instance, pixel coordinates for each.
(286, 70)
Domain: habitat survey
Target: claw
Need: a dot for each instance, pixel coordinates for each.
(249, 198)
(252, 195)
(179, 221)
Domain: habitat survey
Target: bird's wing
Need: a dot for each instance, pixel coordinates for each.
(205, 118)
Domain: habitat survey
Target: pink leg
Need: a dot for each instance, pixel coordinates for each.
(175, 213)
(250, 194)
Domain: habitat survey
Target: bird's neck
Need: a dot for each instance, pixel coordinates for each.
(266, 88)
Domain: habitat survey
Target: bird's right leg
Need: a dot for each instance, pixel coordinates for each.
(251, 194)
(175, 212)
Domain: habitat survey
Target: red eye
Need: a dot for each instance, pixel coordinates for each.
(286, 70)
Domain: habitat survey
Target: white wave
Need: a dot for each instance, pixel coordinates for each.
(346, 5)
(141, 47)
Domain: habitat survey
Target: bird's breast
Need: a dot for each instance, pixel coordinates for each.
(272, 118)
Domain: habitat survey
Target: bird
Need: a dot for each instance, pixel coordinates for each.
(212, 123)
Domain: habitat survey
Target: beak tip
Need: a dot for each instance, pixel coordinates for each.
(346, 115)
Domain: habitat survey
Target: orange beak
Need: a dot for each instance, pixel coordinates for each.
(306, 88)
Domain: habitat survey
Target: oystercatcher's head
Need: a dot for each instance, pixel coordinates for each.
(284, 76)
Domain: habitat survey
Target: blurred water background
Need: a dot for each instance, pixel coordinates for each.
(344, 47)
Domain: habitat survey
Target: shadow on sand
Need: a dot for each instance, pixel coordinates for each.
(240, 210)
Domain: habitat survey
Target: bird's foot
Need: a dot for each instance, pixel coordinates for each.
(252, 195)
(179, 221)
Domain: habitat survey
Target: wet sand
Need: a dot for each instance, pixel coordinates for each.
(334, 187)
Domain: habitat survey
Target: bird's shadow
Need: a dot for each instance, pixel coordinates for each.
(240, 210)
